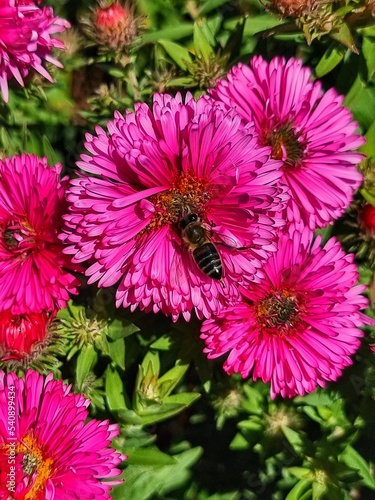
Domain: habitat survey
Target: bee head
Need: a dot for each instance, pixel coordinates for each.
(188, 219)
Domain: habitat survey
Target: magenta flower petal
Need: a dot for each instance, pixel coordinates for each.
(299, 326)
(153, 168)
(55, 452)
(26, 40)
(310, 131)
(32, 266)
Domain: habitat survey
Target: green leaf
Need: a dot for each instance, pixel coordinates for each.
(253, 401)
(86, 361)
(251, 425)
(119, 329)
(116, 351)
(170, 379)
(181, 82)
(327, 491)
(361, 100)
(234, 42)
(171, 33)
(202, 46)
(148, 456)
(369, 55)
(142, 482)
(300, 489)
(239, 443)
(368, 196)
(117, 73)
(150, 364)
(171, 406)
(369, 147)
(295, 439)
(183, 398)
(184, 461)
(49, 151)
(6, 140)
(344, 36)
(258, 24)
(209, 6)
(130, 417)
(163, 343)
(355, 461)
(178, 53)
(75, 310)
(330, 59)
(301, 472)
(114, 390)
(33, 145)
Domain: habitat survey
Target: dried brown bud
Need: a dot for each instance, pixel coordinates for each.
(294, 8)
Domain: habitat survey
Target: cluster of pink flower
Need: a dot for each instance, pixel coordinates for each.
(34, 280)
(205, 205)
(210, 206)
(47, 450)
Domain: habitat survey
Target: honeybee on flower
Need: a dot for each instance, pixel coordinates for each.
(140, 177)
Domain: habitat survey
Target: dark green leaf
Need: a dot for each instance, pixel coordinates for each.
(355, 461)
(86, 361)
(49, 151)
(330, 59)
(116, 351)
(369, 55)
(344, 36)
(295, 439)
(119, 329)
(114, 390)
(172, 33)
(202, 46)
(148, 456)
(178, 53)
(301, 488)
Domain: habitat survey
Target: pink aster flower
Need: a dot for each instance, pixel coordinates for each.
(22, 336)
(32, 275)
(155, 168)
(53, 451)
(310, 131)
(26, 40)
(299, 326)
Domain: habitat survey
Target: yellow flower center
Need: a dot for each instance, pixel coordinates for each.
(19, 238)
(279, 312)
(33, 462)
(287, 144)
(187, 193)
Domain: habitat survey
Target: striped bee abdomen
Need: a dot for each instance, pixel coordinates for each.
(208, 259)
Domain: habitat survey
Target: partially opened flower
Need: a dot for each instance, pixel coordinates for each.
(54, 452)
(23, 336)
(33, 277)
(26, 40)
(113, 26)
(299, 326)
(156, 172)
(310, 131)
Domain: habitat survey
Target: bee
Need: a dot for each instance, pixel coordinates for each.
(196, 238)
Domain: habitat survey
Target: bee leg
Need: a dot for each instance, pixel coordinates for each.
(222, 283)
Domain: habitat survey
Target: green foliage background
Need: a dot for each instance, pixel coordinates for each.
(190, 431)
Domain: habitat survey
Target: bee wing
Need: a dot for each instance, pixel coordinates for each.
(222, 184)
(225, 237)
